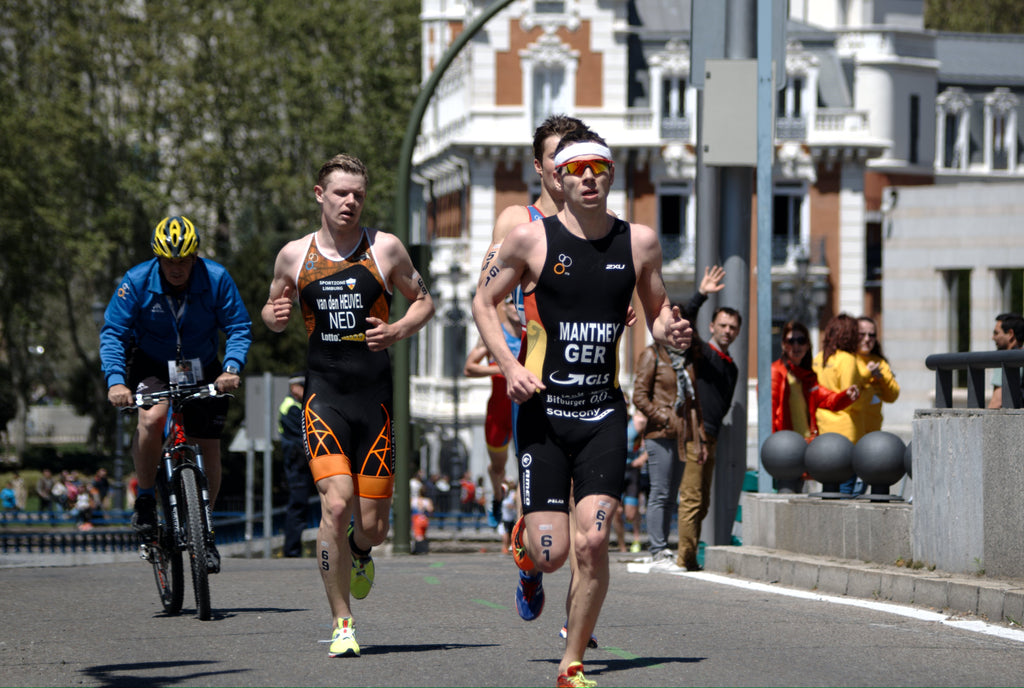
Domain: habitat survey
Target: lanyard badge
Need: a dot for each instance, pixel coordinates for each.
(185, 372)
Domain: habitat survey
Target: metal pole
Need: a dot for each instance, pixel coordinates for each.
(250, 486)
(708, 251)
(455, 325)
(736, 191)
(765, 144)
(117, 492)
(268, 458)
(400, 361)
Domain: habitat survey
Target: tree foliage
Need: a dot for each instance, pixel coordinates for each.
(117, 113)
(975, 16)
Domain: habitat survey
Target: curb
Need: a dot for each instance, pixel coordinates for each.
(996, 600)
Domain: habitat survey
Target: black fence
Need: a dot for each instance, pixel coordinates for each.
(10, 519)
(68, 542)
(112, 532)
(976, 363)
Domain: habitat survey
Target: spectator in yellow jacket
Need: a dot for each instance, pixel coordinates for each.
(881, 386)
(837, 369)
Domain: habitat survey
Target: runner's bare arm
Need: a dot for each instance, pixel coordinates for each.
(475, 366)
(404, 277)
(507, 271)
(509, 218)
(278, 308)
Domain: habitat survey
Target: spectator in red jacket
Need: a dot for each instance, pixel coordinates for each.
(793, 372)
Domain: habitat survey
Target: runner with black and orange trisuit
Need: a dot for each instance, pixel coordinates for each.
(344, 276)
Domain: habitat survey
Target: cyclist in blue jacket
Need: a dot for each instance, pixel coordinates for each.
(165, 319)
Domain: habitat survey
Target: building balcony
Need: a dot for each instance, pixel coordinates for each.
(790, 129)
(677, 257)
(788, 253)
(432, 399)
(677, 128)
(839, 125)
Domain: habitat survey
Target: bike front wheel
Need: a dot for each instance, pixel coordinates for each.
(196, 531)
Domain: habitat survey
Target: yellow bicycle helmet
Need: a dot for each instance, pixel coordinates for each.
(175, 237)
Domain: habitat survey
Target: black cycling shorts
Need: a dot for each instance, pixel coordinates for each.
(204, 418)
(589, 455)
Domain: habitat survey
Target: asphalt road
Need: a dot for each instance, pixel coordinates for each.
(449, 620)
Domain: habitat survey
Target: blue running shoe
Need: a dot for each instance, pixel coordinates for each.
(530, 596)
(564, 635)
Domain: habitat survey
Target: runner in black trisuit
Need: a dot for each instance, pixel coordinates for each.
(577, 270)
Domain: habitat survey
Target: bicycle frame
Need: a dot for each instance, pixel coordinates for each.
(173, 461)
(187, 524)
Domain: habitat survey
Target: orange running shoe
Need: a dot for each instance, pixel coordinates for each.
(519, 555)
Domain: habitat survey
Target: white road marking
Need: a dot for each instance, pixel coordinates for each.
(973, 625)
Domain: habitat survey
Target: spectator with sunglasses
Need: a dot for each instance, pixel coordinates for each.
(796, 393)
(881, 385)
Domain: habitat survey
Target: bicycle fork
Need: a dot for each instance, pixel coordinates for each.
(199, 468)
(204, 495)
(172, 495)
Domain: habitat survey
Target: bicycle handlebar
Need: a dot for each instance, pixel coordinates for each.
(179, 394)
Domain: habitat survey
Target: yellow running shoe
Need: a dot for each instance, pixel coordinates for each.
(362, 577)
(573, 677)
(343, 641)
(362, 572)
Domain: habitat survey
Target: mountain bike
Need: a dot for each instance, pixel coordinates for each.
(184, 518)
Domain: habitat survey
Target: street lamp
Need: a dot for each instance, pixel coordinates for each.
(456, 350)
(117, 486)
(803, 294)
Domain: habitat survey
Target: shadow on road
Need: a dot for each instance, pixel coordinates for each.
(425, 647)
(127, 675)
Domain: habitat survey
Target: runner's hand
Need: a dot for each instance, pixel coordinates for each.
(380, 335)
(522, 384)
(283, 306)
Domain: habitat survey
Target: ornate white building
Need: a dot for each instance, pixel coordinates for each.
(872, 101)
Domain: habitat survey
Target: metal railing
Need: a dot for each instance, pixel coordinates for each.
(68, 542)
(976, 363)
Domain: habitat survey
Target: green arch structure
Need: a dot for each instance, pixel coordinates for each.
(400, 361)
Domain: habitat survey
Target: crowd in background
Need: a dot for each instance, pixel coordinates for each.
(67, 495)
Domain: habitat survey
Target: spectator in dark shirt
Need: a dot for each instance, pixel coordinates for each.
(716, 375)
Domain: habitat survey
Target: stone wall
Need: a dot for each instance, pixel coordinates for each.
(967, 515)
(850, 529)
(969, 490)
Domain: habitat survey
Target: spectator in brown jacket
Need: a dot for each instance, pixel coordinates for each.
(655, 393)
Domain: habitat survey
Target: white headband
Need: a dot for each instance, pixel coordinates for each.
(582, 148)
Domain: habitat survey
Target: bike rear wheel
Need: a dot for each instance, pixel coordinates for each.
(167, 567)
(196, 531)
